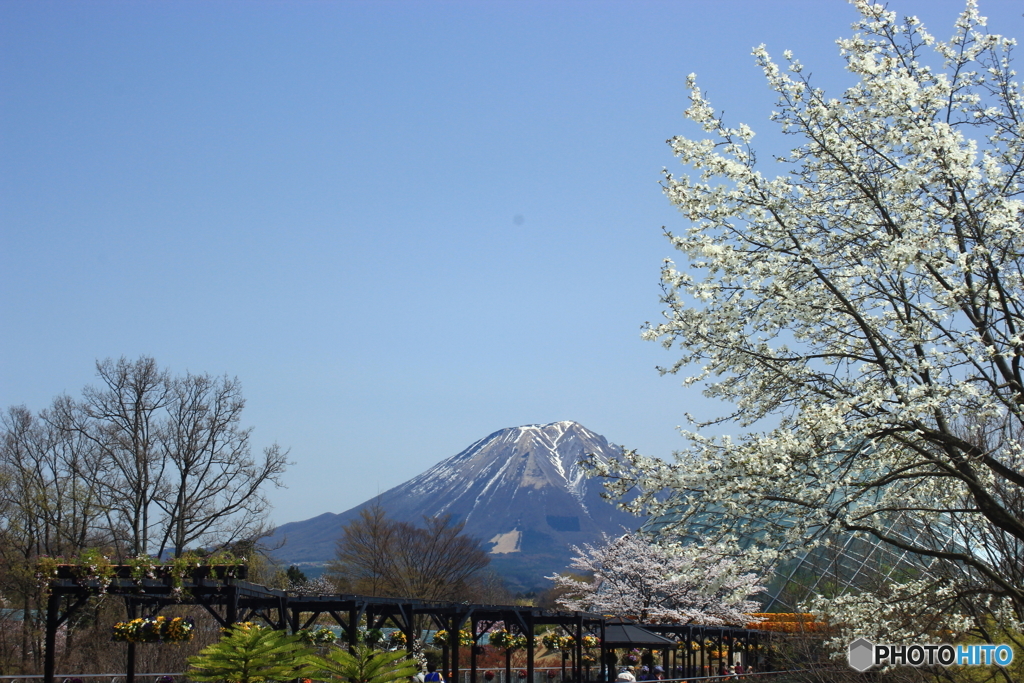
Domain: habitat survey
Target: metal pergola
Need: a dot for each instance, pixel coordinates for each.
(348, 610)
(728, 639)
(233, 600)
(229, 600)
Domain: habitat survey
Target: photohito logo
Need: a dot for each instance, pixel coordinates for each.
(864, 654)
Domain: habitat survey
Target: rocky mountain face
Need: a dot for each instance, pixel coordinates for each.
(520, 490)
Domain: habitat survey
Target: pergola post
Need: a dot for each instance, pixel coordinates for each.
(50, 655)
(353, 628)
(130, 667)
(231, 611)
(410, 628)
(530, 644)
(577, 669)
(453, 637)
(472, 653)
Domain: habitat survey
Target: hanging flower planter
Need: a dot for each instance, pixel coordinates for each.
(553, 641)
(318, 637)
(507, 640)
(94, 568)
(442, 638)
(158, 630)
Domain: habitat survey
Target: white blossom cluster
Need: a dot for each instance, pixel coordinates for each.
(320, 585)
(883, 616)
(662, 582)
(868, 303)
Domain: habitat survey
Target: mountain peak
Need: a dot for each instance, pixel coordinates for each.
(520, 489)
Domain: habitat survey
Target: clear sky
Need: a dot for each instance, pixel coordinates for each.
(402, 224)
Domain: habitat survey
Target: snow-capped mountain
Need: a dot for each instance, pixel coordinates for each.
(520, 490)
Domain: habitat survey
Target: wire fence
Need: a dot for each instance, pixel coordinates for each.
(540, 676)
(93, 678)
(553, 675)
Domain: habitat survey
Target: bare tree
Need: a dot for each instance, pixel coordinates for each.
(378, 556)
(50, 507)
(213, 487)
(174, 465)
(144, 462)
(122, 418)
(46, 508)
(363, 563)
(79, 514)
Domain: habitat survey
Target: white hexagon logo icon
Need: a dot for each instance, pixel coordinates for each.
(861, 655)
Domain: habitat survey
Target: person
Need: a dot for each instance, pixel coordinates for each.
(645, 674)
(625, 675)
(659, 674)
(433, 676)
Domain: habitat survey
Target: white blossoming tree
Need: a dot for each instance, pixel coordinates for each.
(661, 582)
(864, 314)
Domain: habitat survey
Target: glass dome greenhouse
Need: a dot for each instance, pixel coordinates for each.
(836, 564)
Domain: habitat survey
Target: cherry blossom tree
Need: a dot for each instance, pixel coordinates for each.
(652, 582)
(862, 311)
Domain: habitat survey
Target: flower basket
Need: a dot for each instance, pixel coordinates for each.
(441, 638)
(553, 641)
(158, 630)
(318, 637)
(507, 640)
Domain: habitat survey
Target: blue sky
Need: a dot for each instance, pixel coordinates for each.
(403, 225)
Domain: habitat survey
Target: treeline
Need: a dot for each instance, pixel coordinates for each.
(143, 462)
